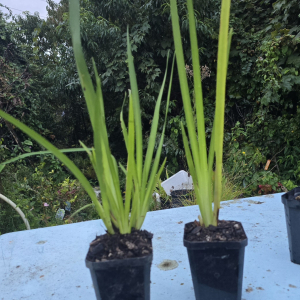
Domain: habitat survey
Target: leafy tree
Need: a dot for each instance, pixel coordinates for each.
(263, 76)
(104, 27)
(264, 83)
(18, 94)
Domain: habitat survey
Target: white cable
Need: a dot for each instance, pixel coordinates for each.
(17, 209)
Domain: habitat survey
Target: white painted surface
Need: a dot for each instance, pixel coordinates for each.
(48, 263)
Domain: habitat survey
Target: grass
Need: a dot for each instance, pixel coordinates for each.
(230, 190)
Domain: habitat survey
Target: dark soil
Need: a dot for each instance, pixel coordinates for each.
(225, 231)
(119, 246)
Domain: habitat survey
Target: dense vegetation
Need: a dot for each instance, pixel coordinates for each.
(39, 84)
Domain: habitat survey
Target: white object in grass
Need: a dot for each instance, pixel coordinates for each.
(97, 191)
(179, 181)
(157, 197)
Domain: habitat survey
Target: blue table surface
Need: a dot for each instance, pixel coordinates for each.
(48, 263)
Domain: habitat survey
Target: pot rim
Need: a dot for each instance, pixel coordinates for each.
(202, 245)
(289, 198)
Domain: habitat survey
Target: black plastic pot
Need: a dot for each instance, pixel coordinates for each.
(217, 269)
(178, 196)
(292, 216)
(122, 279)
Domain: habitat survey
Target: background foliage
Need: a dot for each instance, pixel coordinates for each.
(39, 84)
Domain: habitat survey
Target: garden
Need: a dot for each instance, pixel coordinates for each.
(39, 85)
(103, 102)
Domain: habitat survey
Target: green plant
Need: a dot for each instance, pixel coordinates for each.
(39, 196)
(52, 165)
(164, 200)
(187, 199)
(230, 190)
(268, 183)
(243, 161)
(289, 185)
(141, 175)
(201, 166)
(68, 190)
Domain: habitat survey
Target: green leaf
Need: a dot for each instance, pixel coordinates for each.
(198, 150)
(3, 164)
(28, 142)
(153, 134)
(285, 49)
(63, 158)
(294, 59)
(197, 157)
(137, 111)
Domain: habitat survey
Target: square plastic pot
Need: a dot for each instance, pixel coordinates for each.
(217, 269)
(292, 216)
(122, 279)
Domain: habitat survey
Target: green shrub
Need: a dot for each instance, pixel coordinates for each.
(39, 196)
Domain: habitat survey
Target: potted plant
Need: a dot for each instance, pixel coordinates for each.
(291, 201)
(120, 260)
(215, 248)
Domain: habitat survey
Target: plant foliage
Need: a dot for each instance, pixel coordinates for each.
(200, 165)
(141, 177)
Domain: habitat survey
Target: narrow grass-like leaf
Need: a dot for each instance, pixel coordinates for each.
(90, 152)
(95, 108)
(79, 210)
(103, 169)
(183, 80)
(153, 134)
(131, 168)
(85, 78)
(64, 159)
(123, 169)
(211, 155)
(197, 87)
(151, 184)
(195, 143)
(211, 158)
(2, 165)
(229, 43)
(220, 102)
(111, 191)
(198, 150)
(145, 208)
(170, 89)
(134, 214)
(111, 181)
(137, 111)
(188, 154)
(197, 185)
(123, 126)
(204, 179)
